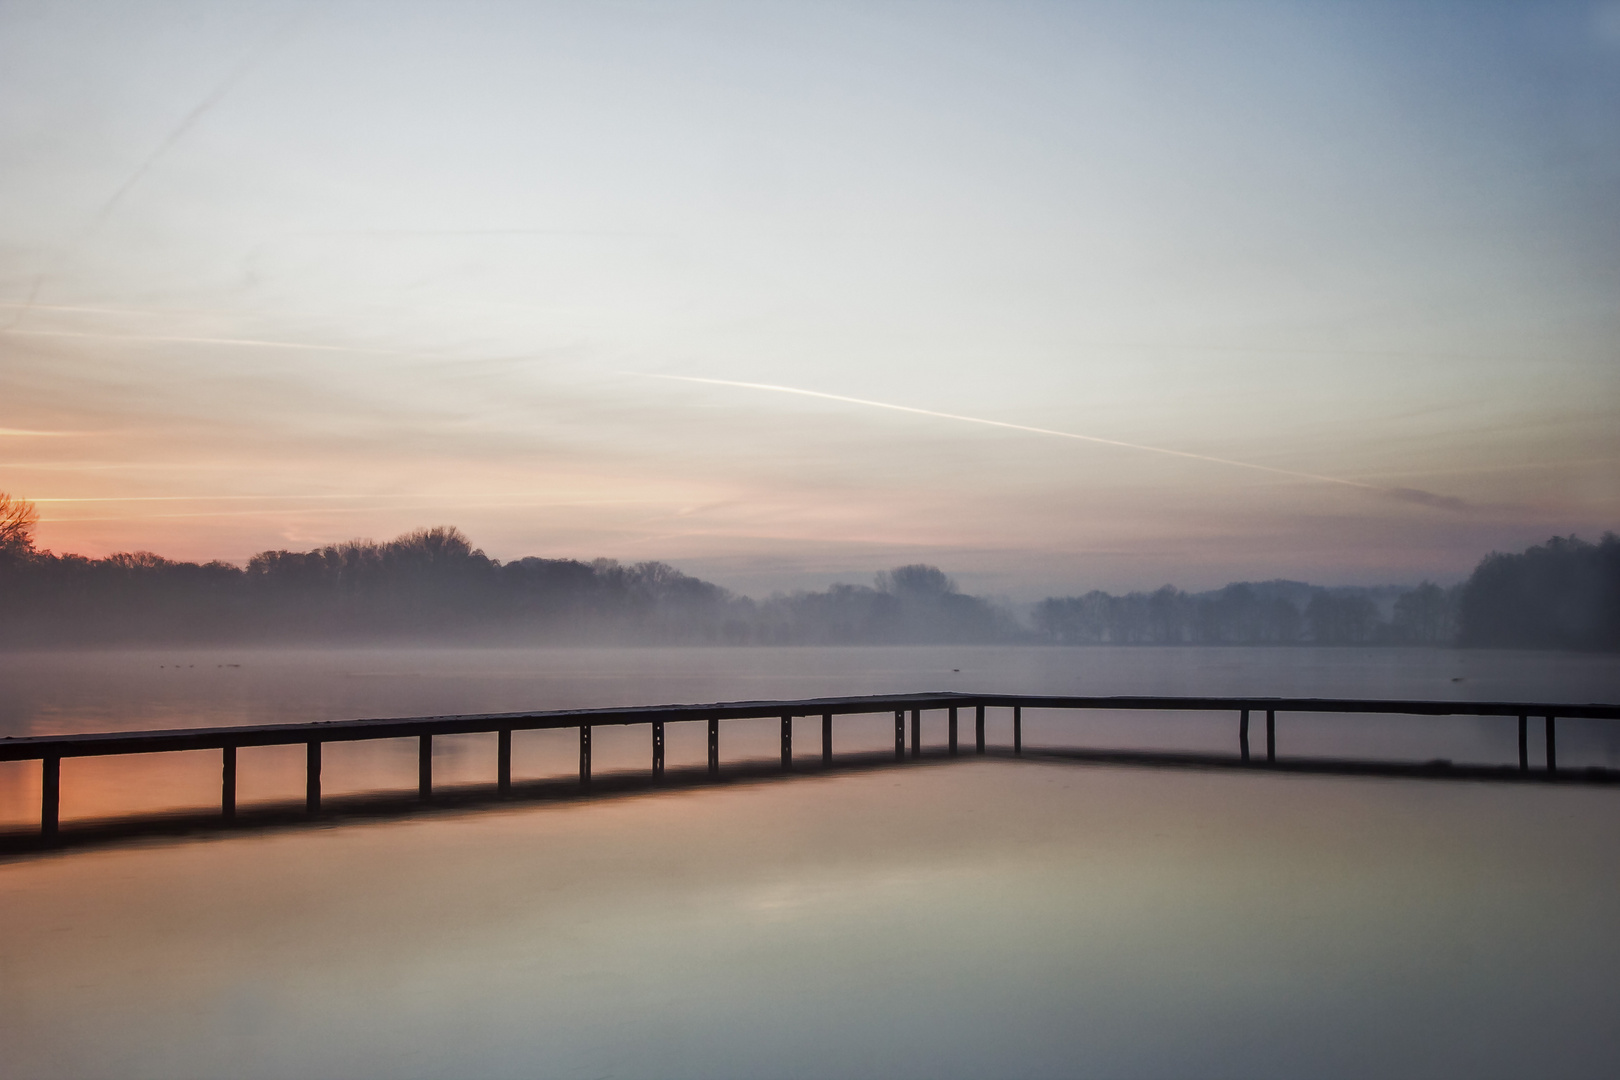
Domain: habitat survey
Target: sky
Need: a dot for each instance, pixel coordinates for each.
(1053, 296)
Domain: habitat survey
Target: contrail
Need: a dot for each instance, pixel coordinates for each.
(344, 497)
(213, 98)
(195, 498)
(83, 308)
(189, 121)
(256, 343)
(1405, 494)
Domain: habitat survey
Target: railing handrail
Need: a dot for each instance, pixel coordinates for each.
(1412, 707)
(106, 743)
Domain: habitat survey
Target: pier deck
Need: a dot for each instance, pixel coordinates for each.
(49, 750)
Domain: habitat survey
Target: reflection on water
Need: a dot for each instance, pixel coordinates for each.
(986, 918)
(981, 918)
(110, 690)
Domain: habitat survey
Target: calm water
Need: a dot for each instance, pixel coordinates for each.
(966, 919)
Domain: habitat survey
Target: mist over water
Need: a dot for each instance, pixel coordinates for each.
(776, 351)
(981, 917)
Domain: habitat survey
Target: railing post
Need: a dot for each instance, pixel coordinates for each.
(503, 761)
(1243, 733)
(916, 733)
(658, 749)
(227, 782)
(1018, 729)
(714, 746)
(312, 776)
(953, 731)
(826, 738)
(787, 742)
(978, 729)
(899, 734)
(424, 767)
(1271, 735)
(50, 794)
(1524, 743)
(584, 753)
(1552, 745)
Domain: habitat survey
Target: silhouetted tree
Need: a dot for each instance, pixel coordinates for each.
(17, 520)
(427, 584)
(917, 580)
(1341, 620)
(433, 584)
(1563, 594)
(1077, 620)
(1243, 613)
(1424, 616)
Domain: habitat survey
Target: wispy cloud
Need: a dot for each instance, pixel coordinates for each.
(1410, 495)
(209, 101)
(218, 94)
(1425, 498)
(101, 309)
(193, 498)
(493, 498)
(184, 339)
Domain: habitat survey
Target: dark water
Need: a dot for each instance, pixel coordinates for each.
(977, 918)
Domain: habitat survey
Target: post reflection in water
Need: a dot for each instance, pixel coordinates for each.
(981, 917)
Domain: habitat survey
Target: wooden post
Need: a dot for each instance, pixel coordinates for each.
(424, 767)
(584, 753)
(826, 738)
(1552, 745)
(714, 746)
(916, 733)
(503, 761)
(787, 742)
(1243, 734)
(1018, 729)
(227, 783)
(50, 794)
(899, 734)
(978, 729)
(1524, 744)
(312, 776)
(658, 749)
(1271, 735)
(953, 731)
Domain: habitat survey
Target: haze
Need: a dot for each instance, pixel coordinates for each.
(1329, 290)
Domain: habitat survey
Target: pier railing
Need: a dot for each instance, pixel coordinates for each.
(49, 750)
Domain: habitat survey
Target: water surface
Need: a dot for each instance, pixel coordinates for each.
(971, 918)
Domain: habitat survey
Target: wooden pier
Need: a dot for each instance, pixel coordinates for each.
(50, 750)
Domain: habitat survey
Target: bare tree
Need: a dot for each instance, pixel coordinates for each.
(17, 518)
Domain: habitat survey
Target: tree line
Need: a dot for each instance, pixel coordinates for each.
(1253, 613)
(434, 585)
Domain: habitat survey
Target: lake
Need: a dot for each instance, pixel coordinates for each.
(965, 918)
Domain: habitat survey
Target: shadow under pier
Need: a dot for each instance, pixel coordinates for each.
(394, 805)
(319, 810)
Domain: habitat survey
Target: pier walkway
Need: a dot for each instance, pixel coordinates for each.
(906, 710)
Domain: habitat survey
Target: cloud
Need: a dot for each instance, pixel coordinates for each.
(175, 339)
(1425, 498)
(218, 94)
(1411, 495)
